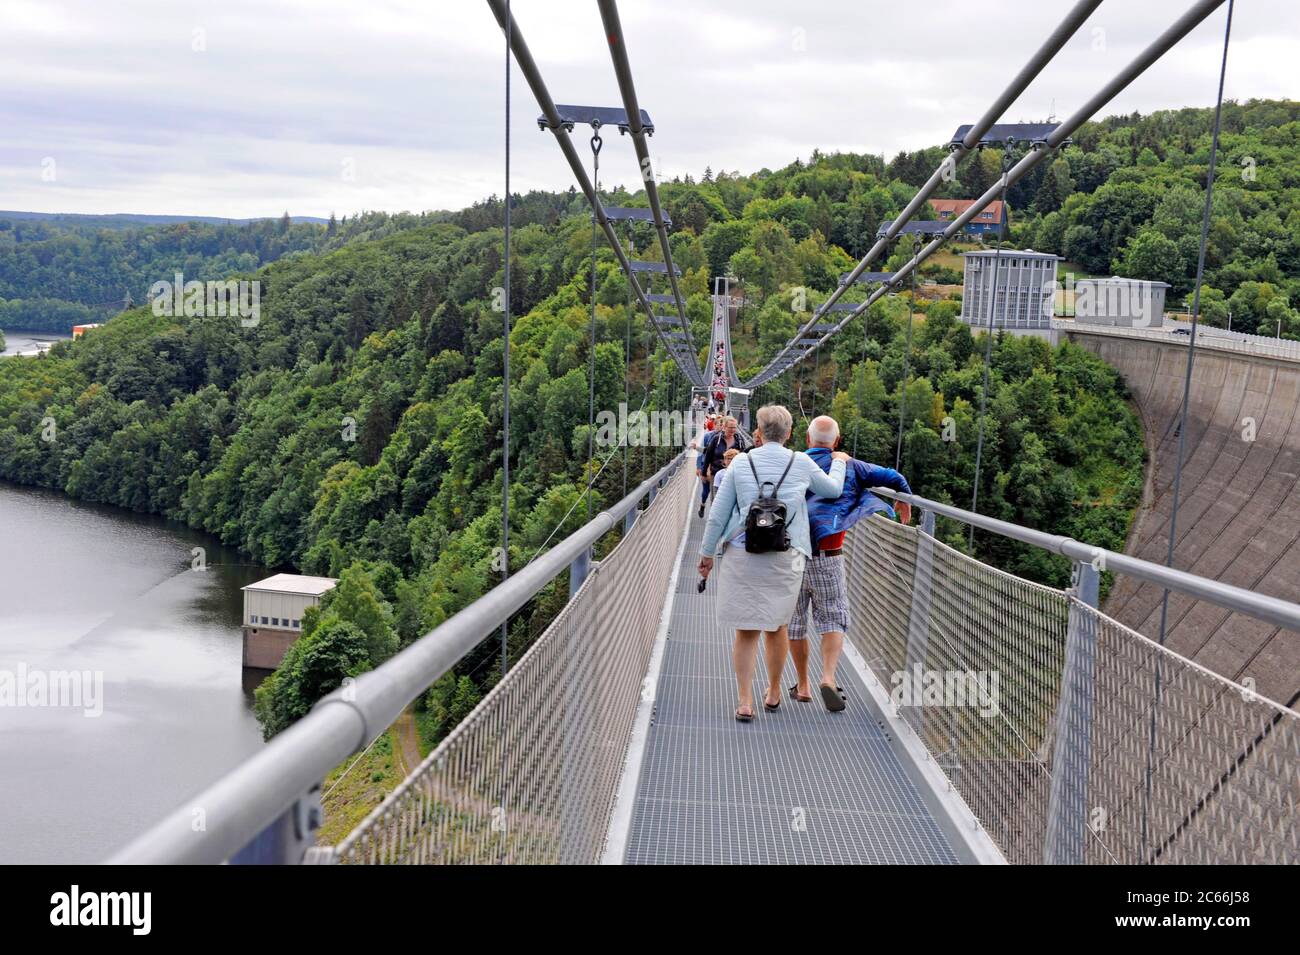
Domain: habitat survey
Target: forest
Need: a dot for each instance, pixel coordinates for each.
(60, 271)
(355, 431)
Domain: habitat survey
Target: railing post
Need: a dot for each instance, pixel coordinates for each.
(918, 614)
(578, 571)
(289, 838)
(1067, 804)
(629, 519)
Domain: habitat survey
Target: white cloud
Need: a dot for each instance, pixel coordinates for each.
(278, 95)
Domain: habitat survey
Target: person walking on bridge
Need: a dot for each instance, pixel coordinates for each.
(725, 438)
(760, 577)
(824, 590)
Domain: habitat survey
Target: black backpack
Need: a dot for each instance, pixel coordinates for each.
(765, 527)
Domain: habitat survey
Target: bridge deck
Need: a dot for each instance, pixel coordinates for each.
(800, 785)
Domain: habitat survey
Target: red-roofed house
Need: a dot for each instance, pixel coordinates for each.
(986, 220)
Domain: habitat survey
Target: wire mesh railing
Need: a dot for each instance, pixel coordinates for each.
(530, 775)
(1070, 736)
(1187, 767)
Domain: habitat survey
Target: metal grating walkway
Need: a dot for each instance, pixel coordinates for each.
(800, 785)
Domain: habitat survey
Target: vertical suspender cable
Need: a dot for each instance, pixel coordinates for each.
(1196, 314)
(988, 344)
(866, 336)
(817, 367)
(627, 353)
(505, 378)
(907, 357)
(505, 412)
(591, 357)
(1182, 417)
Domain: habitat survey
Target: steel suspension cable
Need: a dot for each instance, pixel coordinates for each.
(866, 337)
(1182, 417)
(505, 413)
(527, 65)
(1196, 314)
(907, 357)
(505, 379)
(1068, 26)
(631, 106)
(1135, 68)
(596, 143)
(627, 354)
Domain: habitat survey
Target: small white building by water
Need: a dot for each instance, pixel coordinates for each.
(273, 610)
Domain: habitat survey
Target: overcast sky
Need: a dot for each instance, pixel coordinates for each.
(233, 108)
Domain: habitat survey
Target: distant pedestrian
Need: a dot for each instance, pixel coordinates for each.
(727, 458)
(723, 439)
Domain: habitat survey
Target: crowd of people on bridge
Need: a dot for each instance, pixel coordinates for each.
(777, 525)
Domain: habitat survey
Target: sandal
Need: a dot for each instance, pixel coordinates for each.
(833, 697)
(771, 707)
(744, 717)
(797, 697)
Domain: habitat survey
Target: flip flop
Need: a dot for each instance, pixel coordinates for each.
(744, 717)
(833, 697)
(794, 695)
(772, 707)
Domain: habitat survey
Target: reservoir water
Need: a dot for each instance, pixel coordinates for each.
(105, 602)
(21, 342)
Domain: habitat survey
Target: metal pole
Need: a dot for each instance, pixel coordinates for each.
(1067, 804)
(918, 614)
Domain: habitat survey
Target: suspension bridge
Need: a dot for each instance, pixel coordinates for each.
(612, 740)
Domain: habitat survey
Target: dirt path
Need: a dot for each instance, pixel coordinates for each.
(407, 750)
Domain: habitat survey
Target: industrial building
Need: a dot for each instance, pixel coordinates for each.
(273, 610)
(1026, 288)
(1131, 303)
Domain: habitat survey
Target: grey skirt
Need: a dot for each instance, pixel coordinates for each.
(757, 591)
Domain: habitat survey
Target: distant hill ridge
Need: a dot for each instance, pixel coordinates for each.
(126, 219)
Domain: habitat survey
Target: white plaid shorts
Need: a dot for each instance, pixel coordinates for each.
(823, 589)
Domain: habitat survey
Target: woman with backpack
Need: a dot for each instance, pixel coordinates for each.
(760, 515)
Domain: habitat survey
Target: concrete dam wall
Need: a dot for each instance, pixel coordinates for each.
(1239, 511)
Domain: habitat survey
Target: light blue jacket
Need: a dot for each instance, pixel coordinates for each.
(738, 491)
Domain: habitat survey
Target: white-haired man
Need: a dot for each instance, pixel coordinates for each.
(824, 590)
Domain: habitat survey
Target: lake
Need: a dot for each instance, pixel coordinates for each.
(22, 342)
(112, 596)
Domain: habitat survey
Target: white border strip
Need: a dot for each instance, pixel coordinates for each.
(972, 844)
(620, 819)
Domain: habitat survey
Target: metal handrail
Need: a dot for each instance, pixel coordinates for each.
(1280, 613)
(273, 789)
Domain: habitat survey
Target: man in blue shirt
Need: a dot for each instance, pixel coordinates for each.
(824, 589)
